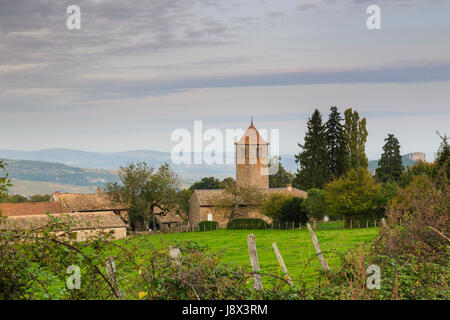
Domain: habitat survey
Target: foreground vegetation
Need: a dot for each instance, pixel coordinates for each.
(295, 247)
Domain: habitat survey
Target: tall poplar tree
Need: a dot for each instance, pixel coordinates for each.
(356, 135)
(390, 166)
(337, 145)
(313, 159)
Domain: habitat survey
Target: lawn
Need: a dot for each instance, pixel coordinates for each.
(295, 246)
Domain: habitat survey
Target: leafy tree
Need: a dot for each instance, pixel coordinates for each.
(337, 145)
(4, 181)
(442, 162)
(313, 159)
(390, 166)
(238, 201)
(315, 204)
(143, 189)
(272, 206)
(420, 168)
(40, 197)
(227, 182)
(282, 178)
(356, 192)
(15, 198)
(293, 211)
(206, 183)
(356, 136)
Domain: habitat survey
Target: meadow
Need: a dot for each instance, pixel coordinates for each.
(295, 247)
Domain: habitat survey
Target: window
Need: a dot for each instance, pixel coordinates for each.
(210, 217)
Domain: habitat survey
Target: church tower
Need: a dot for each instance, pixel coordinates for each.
(252, 162)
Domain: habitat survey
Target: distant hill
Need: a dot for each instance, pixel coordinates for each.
(408, 160)
(29, 188)
(50, 170)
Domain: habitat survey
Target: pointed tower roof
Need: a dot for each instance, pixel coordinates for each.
(251, 136)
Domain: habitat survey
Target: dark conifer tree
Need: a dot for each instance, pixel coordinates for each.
(337, 146)
(390, 166)
(313, 159)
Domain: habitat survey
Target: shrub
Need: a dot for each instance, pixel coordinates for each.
(247, 223)
(293, 211)
(353, 194)
(272, 206)
(208, 225)
(418, 222)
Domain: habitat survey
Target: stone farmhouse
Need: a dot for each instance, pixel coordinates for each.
(27, 216)
(252, 170)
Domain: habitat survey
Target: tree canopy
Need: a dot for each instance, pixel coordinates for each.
(390, 166)
(356, 192)
(282, 178)
(143, 189)
(313, 159)
(337, 145)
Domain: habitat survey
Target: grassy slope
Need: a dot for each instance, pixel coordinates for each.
(295, 246)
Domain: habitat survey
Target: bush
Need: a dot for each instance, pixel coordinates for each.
(208, 225)
(247, 223)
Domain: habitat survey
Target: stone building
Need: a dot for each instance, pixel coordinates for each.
(30, 215)
(252, 170)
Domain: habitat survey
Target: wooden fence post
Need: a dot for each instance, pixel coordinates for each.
(359, 225)
(257, 280)
(112, 277)
(175, 255)
(281, 262)
(300, 225)
(322, 260)
(351, 223)
(367, 223)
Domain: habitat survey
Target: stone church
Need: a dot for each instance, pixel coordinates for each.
(252, 170)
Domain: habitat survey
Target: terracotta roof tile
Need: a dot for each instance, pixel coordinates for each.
(81, 220)
(31, 208)
(86, 202)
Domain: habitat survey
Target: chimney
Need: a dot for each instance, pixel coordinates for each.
(289, 188)
(99, 192)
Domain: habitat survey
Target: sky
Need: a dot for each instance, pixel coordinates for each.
(138, 70)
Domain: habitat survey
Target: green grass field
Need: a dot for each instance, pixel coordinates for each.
(295, 246)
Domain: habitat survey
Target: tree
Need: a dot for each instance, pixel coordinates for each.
(282, 177)
(420, 168)
(315, 204)
(337, 145)
(356, 192)
(293, 211)
(227, 182)
(238, 201)
(206, 183)
(15, 198)
(356, 136)
(313, 172)
(272, 206)
(143, 189)
(390, 166)
(442, 161)
(40, 197)
(5, 182)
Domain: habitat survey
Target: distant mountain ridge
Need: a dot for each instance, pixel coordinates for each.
(407, 159)
(62, 169)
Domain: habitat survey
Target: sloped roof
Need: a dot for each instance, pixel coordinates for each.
(206, 197)
(251, 136)
(87, 202)
(170, 217)
(31, 208)
(80, 220)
